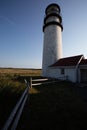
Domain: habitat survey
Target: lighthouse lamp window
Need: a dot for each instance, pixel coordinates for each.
(62, 71)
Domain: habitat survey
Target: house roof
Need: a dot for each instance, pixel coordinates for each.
(69, 61)
(83, 62)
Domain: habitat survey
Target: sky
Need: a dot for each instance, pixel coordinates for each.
(21, 35)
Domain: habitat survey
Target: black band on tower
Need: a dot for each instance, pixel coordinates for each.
(52, 23)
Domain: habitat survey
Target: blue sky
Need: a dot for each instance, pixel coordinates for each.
(21, 36)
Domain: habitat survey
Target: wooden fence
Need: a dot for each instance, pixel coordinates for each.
(35, 82)
(14, 117)
(12, 121)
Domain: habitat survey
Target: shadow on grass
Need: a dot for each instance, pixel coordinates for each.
(54, 106)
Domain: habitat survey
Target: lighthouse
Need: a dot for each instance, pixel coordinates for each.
(52, 29)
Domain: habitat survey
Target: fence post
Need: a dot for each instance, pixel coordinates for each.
(30, 82)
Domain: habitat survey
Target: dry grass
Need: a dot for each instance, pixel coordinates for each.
(13, 71)
(11, 88)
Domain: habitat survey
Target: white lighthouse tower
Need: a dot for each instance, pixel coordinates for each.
(52, 28)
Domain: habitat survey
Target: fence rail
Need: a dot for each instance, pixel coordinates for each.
(14, 117)
(35, 82)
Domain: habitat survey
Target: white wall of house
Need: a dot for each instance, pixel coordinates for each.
(69, 73)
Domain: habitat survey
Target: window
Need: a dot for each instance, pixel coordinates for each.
(62, 71)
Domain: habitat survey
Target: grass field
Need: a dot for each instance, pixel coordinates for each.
(22, 72)
(55, 106)
(11, 88)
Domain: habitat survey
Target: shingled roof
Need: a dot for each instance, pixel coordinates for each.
(83, 62)
(69, 61)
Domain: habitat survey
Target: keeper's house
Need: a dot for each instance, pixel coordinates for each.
(70, 68)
